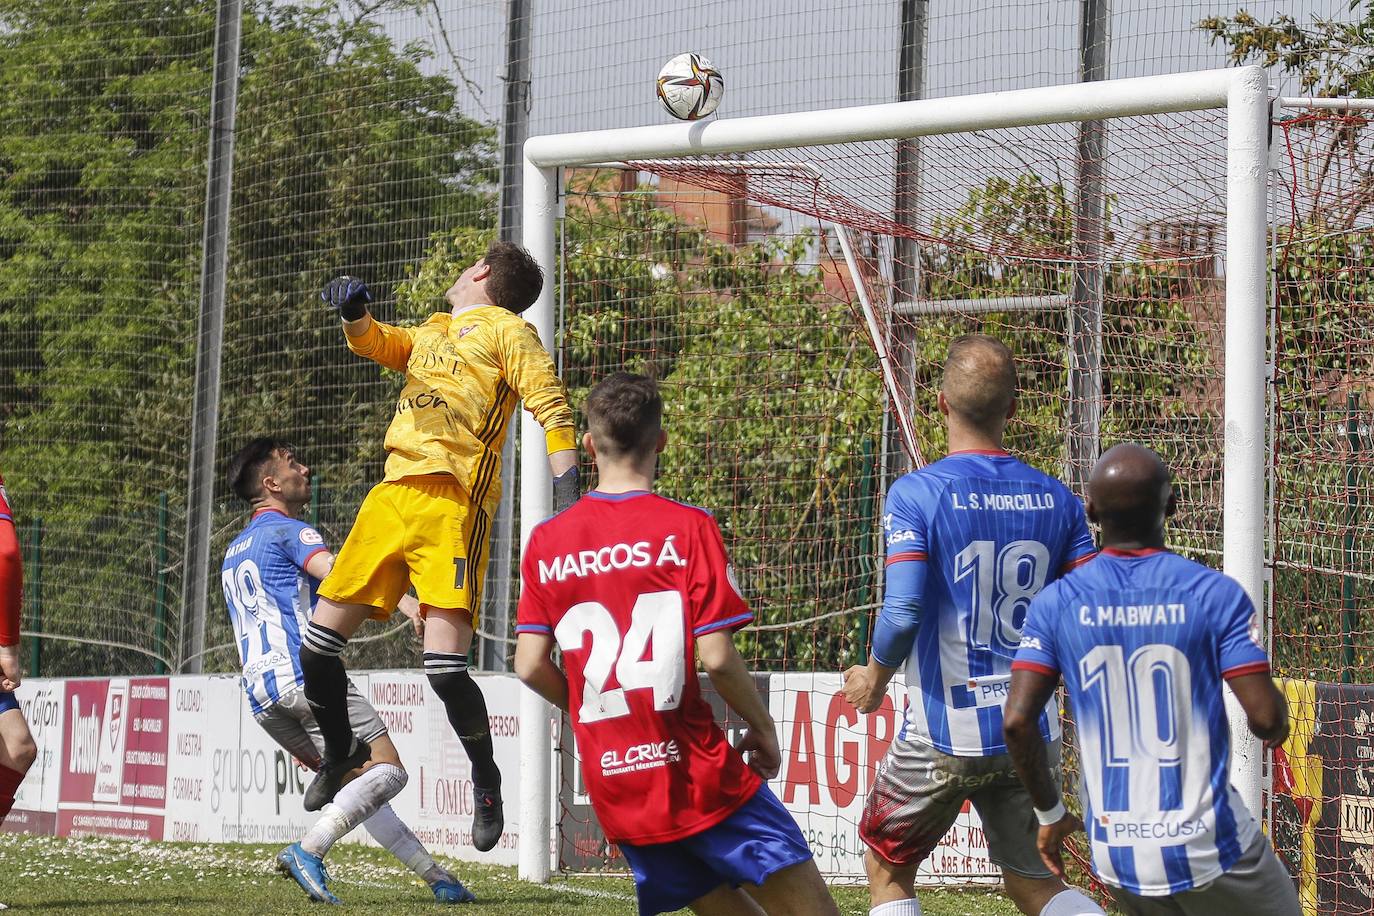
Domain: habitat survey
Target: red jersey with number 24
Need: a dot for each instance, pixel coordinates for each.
(625, 583)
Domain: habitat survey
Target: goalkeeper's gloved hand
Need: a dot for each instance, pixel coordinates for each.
(565, 489)
(349, 296)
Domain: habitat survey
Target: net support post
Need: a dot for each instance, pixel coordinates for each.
(1243, 482)
(540, 203)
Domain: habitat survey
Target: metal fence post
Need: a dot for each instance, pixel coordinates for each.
(200, 488)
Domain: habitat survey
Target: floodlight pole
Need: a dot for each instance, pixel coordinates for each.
(1089, 287)
(200, 488)
(906, 256)
(515, 127)
(1241, 91)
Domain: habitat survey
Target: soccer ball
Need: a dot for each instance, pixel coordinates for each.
(689, 87)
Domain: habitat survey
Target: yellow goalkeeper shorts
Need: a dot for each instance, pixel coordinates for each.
(420, 530)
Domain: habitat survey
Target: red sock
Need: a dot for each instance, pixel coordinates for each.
(9, 785)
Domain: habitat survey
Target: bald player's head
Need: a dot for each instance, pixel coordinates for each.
(979, 384)
(1130, 493)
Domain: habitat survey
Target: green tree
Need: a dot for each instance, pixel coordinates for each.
(771, 393)
(348, 156)
(1324, 363)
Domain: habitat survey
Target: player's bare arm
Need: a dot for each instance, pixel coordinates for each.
(1030, 691)
(11, 669)
(536, 670)
(11, 583)
(732, 681)
(562, 461)
(320, 564)
(409, 605)
(1265, 708)
(865, 685)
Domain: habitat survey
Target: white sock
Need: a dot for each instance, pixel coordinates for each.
(1072, 902)
(355, 803)
(910, 907)
(395, 837)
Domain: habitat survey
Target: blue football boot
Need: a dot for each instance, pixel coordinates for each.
(451, 890)
(306, 870)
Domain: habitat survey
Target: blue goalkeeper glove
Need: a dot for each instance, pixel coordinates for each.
(349, 296)
(565, 489)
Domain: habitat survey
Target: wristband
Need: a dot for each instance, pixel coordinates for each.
(1053, 815)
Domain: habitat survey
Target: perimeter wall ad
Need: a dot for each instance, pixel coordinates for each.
(181, 758)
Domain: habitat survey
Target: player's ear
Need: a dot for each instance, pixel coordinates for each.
(1091, 510)
(662, 442)
(481, 270)
(943, 403)
(588, 446)
(1011, 408)
(1171, 506)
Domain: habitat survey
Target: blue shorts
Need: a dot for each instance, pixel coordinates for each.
(8, 702)
(760, 838)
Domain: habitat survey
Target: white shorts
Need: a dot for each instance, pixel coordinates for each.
(1257, 885)
(919, 791)
(291, 723)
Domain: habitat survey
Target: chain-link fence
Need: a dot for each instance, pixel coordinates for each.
(365, 134)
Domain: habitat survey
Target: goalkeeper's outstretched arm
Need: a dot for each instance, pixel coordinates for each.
(382, 343)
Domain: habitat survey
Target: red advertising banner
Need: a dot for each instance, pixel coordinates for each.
(114, 758)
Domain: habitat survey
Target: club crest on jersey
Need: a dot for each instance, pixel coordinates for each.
(463, 332)
(310, 537)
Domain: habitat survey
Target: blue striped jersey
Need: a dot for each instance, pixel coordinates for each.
(990, 531)
(1143, 640)
(270, 598)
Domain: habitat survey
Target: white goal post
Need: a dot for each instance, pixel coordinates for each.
(1242, 92)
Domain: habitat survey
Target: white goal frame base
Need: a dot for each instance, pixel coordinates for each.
(1242, 92)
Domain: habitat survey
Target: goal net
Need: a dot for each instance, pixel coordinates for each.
(796, 305)
(1323, 468)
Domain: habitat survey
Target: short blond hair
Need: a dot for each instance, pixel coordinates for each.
(979, 380)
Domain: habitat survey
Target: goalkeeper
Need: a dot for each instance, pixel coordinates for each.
(427, 523)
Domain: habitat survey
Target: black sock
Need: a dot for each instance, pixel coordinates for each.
(467, 712)
(326, 687)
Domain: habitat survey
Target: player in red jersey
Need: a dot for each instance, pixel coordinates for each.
(17, 750)
(633, 588)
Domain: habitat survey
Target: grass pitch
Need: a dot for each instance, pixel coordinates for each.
(92, 876)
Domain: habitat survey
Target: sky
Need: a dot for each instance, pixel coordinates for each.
(595, 61)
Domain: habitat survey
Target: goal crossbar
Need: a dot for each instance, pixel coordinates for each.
(1242, 92)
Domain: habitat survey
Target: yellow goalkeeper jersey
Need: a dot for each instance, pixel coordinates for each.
(464, 375)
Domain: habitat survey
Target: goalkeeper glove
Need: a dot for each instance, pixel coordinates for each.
(565, 489)
(349, 296)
